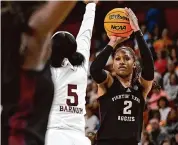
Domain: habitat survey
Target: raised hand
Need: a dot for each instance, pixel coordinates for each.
(114, 40)
(90, 1)
(133, 19)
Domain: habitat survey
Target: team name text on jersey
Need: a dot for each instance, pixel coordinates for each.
(126, 96)
(71, 109)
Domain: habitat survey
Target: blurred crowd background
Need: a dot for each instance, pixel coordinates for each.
(159, 24)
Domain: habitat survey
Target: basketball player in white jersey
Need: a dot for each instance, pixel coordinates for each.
(66, 121)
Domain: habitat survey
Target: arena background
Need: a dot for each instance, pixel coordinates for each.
(158, 21)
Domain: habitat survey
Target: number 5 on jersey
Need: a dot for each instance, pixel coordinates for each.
(73, 95)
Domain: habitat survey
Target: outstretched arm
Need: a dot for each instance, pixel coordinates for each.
(85, 33)
(147, 74)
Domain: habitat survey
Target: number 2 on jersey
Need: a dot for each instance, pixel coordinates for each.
(127, 108)
(73, 95)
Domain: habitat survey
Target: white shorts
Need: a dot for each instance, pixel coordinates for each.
(65, 137)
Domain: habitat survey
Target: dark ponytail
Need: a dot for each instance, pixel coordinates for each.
(77, 59)
(65, 46)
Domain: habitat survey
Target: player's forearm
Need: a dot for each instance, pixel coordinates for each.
(85, 33)
(97, 67)
(43, 22)
(49, 16)
(146, 56)
(86, 27)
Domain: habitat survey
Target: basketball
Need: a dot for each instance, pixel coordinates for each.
(117, 23)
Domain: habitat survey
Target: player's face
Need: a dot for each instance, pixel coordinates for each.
(123, 63)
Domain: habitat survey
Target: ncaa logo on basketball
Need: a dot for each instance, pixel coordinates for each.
(116, 27)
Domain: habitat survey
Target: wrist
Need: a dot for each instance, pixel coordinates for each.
(137, 29)
(112, 44)
(138, 33)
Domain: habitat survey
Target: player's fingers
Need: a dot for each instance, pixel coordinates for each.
(132, 13)
(127, 10)
(132, 16)
(129, 13)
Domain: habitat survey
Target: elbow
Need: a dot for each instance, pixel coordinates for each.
(95, 69)
(151, 78)
(147, 77)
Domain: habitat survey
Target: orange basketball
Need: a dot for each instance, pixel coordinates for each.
(117, 23)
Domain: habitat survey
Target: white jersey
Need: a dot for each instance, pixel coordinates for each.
(70, 82)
